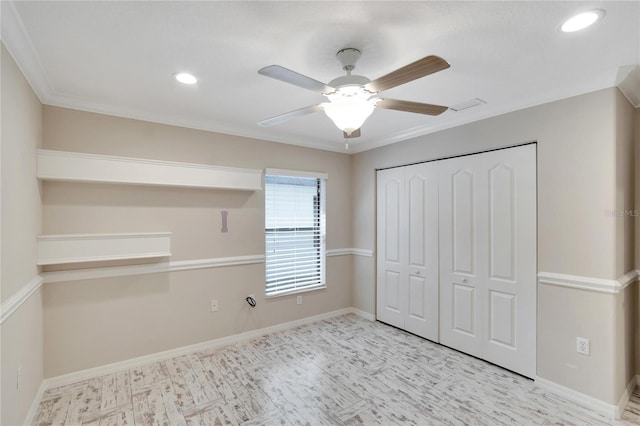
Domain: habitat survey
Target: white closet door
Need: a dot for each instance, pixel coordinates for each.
(392, 251)
(461, 243)
(488, 256)
(510, 286)
(421, 210)
(407, 272)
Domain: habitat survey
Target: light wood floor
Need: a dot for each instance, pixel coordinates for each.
(343, 371)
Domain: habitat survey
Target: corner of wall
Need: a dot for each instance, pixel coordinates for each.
(636, 157)
(625, 243)
(21, 221)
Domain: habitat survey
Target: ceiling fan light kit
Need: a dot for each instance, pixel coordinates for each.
(349, 114)
(352, 98)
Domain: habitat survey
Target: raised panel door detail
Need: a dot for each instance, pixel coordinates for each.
(502, 319)
(502, 210)
(417, 297)
(460, 270)
(421, 204)
(392, 290)
(463, 211)
(392, 221)
(417, 220)
(464, 309)
(509, 289)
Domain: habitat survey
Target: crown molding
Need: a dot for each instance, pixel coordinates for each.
(629, 84)
(19, 44)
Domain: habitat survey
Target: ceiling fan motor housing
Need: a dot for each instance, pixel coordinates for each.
(348, 58)
(349, 80)
(350, 85)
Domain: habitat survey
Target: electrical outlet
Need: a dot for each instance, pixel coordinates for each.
(214, 305)
(299, 300)
(583, 346)
(19, 377)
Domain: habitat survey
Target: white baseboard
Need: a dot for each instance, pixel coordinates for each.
(363, 314)
(594, 404)
(77, 376)
(606, 409)
(626, 396)
(33, 409)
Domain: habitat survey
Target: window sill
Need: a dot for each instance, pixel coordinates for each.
(297, 291)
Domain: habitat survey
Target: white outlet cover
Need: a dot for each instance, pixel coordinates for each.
(583, 346)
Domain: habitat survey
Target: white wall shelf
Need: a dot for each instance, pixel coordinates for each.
(77, 248)
(78, 167)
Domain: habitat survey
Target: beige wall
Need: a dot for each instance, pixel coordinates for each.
(94, 322)
(625, 185)
(21, 333)
(626, 303)
(626, 310)
(21, 215)
(637, 232)
(576, 187)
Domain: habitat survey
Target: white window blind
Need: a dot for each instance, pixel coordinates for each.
(294, 232)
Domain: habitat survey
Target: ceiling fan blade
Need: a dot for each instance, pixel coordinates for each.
(289, 115)
(354, 134)
(415, 70)
(297, 79)
(417, 107)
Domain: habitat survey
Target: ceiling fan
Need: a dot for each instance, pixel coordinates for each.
(352, 98)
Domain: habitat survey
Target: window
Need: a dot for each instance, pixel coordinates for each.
(294, 231)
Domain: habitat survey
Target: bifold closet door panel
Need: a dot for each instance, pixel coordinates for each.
(488, 256)
(391, 293)
(461, 206)
(407, 231)
(510, 286)
(421, 189)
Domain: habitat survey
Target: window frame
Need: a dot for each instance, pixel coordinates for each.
(322, 257)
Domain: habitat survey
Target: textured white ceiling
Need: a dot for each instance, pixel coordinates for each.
(119, 58)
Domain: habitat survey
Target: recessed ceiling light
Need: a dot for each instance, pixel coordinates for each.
(185, 78)
(582, 20)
